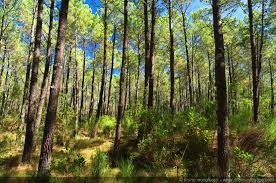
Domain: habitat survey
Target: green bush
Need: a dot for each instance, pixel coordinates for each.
(129, 125)
(241, 120)
(69, 162)
(100, 164)
(271, 130)
(164, 144)
(107, 124)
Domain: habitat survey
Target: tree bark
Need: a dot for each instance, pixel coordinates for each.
(82, 82)
(272, 102)
(122, 80)
(147, 50)
(138, 72)
(256, 61)
(111, 71)
(76, 90)
(3, 64)
(151, 59)
(30, 130)
(28, 71)
(44, 86)
(50, 122)
(68, 71)
(172, 100)
(222, 121)
(187, 58)
(91, 107)
(98, 113)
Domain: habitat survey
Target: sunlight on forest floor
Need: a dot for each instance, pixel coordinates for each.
(10, 159)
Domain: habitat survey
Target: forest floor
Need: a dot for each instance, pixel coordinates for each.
(10, 157)
(75, 158)
(64, 157)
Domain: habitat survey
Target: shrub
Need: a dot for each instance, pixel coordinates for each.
(100, 164)
(130, 126)
(69, 162)
(107, 125)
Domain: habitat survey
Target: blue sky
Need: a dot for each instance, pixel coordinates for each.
(96, 4)
(196, 4)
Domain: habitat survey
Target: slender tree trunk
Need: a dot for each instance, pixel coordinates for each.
(44, 86)
(82, 82)
(187, 58)
(111, 71)
(138, 72)
(272, 102)
(147, 50)
(230, 89)
(103, 73)
(210, 82)
(122, 80)
(5, 90)
(3, 64)
(172, 100)
(28, 71)
(152, 47)
(256, 61)
(223, 130)
(68, 71)
(30, 130)
(126, 89)
(50, 122)
(129, 86)
(91, 107)
(76, 91)
(198, 84)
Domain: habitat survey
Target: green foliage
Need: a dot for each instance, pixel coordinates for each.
(165, 144)
(271, 130)
(126, 167)
(65, 125)
(107, 125)
(100, 164)
(129, 125)
(69, 162)
(241, 120)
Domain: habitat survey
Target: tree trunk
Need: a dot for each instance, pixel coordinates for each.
(111, 71)
(82, 82)
(3, 64)
(172, 102)
(256, 62)
(187, 58)
(210, 82)
(223, 130)
(122, 80)
(76, 90)
(147, 50)
(68, 71)
(5, 90)
(138, 72)
(198, 84)
(129, 86)
(44, 86)
(28, 72)
(272, 102)
(91, 107)
(230, 89)
(152, 47)
(103, 73)
(50, 122)
(30, 130)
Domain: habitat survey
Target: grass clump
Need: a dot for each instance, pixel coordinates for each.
(100, 165)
